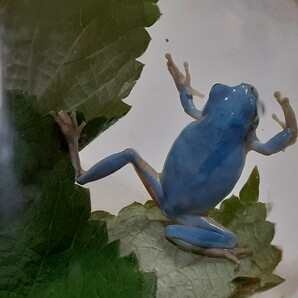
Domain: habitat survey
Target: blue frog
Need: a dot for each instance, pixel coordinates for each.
(203, 165)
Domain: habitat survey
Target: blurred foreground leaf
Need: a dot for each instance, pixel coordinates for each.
(76, 55)
(69, 54)
(140, 228)
(49, 247)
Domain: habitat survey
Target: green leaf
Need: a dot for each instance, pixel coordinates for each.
(50, 248)
(140, 229)
(69, 54)
(76, 55)
(84, 270)
(250, 191)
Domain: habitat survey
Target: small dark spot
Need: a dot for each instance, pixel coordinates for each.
(167, 40)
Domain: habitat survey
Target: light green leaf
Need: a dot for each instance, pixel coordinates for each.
(140, 228)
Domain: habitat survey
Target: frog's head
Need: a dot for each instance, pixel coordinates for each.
(237, 104)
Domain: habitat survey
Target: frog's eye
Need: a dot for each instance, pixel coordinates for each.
(215, 85)
(218, 91)
(219, 86)
(253, 91)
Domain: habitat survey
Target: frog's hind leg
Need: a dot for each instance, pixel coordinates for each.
(71, 130)
(111, 164)
(203, 235)
(201, 231)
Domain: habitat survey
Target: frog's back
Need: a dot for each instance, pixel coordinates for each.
(202, 167)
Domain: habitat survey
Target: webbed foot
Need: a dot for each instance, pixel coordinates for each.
(290, 118)
(180, 79)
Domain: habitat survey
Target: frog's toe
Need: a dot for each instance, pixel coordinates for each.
(241, 251)
(210, 252)
(289, 114)
(195, 92)
(281, 100)
(168, 57)
(231, 254)
(280, 122)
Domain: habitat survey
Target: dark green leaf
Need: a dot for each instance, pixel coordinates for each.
(49, 247)
(250, 191)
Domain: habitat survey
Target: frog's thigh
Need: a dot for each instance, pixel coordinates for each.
(149, 177)
(200, 231)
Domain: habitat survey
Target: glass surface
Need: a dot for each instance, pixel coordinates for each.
(223, 41)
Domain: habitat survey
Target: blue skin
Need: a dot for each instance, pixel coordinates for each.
(203, 165)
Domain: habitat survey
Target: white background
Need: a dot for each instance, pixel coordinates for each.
(230, 42)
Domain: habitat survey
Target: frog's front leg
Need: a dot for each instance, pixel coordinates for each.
(290, 118)
(203, 235)
(285, 138)
(182, 83)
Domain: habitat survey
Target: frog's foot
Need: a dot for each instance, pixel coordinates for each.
(228, 253)
(68, 125)
(290, 118)
(71, 131)
(180, 79)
